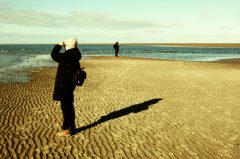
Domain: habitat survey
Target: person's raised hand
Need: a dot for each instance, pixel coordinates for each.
(61, 43)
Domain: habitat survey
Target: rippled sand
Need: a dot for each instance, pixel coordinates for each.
(128, 108)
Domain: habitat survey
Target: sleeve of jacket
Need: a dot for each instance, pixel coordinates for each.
(56, 56)
(79, 55)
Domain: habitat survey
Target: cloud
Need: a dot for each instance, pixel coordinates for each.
(29, 17)
(229, 27)
(102, 20)
(211, 11)
(35, 18)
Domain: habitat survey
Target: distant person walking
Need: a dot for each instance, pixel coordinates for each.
(64, 87)
(116, 48)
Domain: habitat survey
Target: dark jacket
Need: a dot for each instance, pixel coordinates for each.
(116, 47)
(68, 65)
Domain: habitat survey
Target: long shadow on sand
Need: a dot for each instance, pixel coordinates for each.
(119, 113)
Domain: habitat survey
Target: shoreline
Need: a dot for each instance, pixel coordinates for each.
(23, 70)
(234, 61)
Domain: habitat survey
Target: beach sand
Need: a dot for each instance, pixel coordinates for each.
(128, 108)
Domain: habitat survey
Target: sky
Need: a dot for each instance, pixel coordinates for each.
(126, 21)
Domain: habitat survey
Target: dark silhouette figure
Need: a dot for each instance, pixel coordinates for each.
(119, 113)
(116, 48)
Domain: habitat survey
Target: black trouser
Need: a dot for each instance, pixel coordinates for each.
(68, 115)
(116, 53)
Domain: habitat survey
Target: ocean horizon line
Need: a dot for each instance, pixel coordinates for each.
(236, 45)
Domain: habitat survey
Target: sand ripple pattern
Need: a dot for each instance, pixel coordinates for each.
(128, 108)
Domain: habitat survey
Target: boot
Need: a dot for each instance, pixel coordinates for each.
(64, 133)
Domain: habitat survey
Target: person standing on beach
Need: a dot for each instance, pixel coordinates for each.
(116, 48)
(64, 87)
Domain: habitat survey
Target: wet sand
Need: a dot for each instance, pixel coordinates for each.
(128, 108)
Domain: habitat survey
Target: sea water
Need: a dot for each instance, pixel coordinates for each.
(16, 59)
